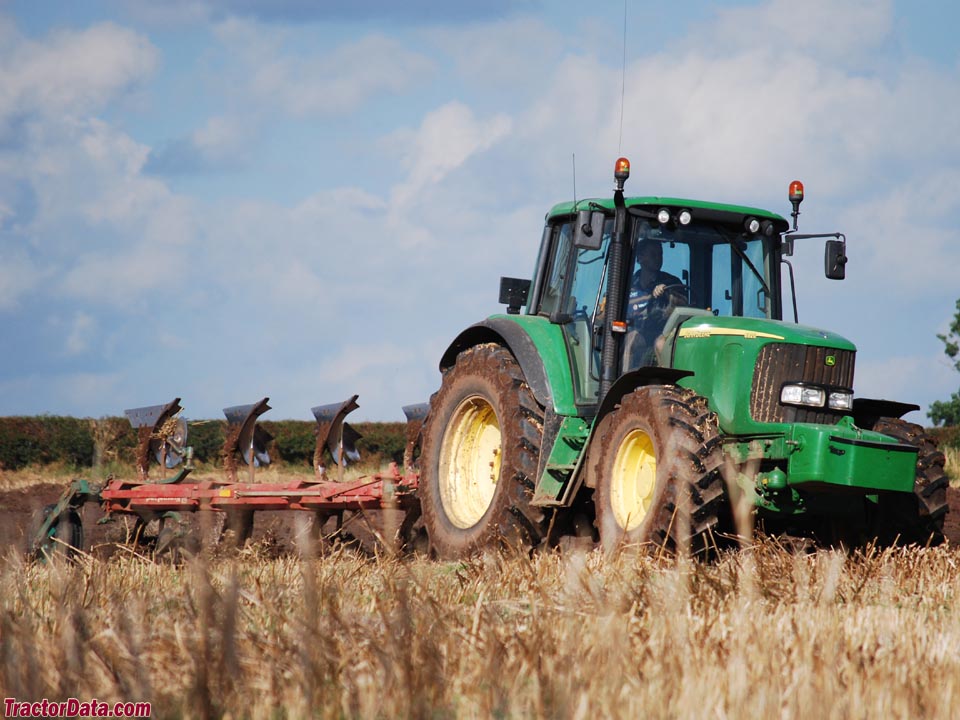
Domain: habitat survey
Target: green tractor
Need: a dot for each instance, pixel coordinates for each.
(650, 391)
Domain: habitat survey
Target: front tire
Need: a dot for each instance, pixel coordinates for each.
(481, 443)
(657, 472)
(916, 518)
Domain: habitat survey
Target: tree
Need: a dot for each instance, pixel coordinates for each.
(947, 412)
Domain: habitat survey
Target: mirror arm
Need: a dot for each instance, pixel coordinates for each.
(793, 289)
(807, 236)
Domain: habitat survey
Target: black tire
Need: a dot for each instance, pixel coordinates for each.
(70, 531)
(413, 533)
(656, 472)
(484, 407)
(916, 518)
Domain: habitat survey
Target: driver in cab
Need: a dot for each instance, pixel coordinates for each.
(653, 294)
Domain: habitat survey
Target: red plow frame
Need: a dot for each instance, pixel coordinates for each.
(379, 491)
(238, 495)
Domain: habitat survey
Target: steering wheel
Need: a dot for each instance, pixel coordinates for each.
(642, 302)
(675, 286)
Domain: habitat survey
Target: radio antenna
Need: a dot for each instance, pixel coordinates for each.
(623, 78)
(574, 156)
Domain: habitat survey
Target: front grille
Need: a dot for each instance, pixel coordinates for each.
(780, 363)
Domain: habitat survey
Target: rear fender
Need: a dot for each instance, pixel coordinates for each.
(551, 386)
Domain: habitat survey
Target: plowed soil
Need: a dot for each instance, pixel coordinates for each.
(273, 530)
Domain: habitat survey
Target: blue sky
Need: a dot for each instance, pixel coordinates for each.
(222, 201)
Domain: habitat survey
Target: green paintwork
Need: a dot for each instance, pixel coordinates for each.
(565, 458)
(723, 364)
(568, 208)
(812, 456)
(552, 349)
(819, 458)
(722, 352)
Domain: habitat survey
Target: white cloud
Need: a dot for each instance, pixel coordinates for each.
(120, 280)
(221, 138)
(445, 140)
(108, 232)
(72, 71)
(323, 84)
(81, 173)
(221, 144)
(909, 239)
(834, 32)
(489, 55)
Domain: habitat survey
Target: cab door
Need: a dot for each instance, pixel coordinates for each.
(572, 297)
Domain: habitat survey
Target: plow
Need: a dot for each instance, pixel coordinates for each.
(237, 495)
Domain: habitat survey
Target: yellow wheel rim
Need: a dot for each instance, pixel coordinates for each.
(634, 479)
(469, 462)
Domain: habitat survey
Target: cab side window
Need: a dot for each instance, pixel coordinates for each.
(557, 269)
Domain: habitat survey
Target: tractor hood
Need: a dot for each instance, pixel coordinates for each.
(761, 330)
(741, 365)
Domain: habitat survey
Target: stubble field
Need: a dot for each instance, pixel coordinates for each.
(264, 632)
(761, 633)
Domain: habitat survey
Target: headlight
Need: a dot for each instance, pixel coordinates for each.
(803, 395)
(840, 400)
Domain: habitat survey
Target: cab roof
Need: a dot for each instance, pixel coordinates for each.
(713, 211)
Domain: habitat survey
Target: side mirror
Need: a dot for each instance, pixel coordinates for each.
(513, 293)
(835, 259)
(588, 234)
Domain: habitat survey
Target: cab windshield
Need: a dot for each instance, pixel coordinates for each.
(701, 267)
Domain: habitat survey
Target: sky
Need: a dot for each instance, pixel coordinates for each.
(303, 200)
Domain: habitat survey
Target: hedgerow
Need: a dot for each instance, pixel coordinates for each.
(84, 442)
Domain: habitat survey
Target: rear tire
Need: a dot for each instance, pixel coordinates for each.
(481, 443)
(657, 472)
(916, 518)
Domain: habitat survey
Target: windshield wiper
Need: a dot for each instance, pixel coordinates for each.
(732, 240)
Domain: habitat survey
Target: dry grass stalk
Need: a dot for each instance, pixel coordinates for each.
(576, 636)
(952, 456)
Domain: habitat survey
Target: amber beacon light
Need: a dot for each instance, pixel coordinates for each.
(796, 197)
(621, 171)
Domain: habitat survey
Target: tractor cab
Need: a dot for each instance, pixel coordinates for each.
(681, 259)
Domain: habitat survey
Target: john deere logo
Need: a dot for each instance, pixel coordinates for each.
(830, 361)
